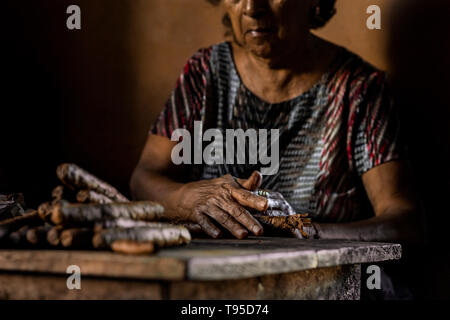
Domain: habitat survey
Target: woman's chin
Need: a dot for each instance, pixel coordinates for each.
(265, 50)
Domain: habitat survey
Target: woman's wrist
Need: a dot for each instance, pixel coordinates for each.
(177, 203)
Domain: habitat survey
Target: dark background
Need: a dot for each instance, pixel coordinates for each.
(89, 96)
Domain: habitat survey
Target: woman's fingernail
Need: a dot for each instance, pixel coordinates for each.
(256, 230)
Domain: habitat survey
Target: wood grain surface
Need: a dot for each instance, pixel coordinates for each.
(205, 260)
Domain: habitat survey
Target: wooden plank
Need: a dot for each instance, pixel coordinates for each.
(92, 263)
(206, 259)
(334, 283)
(240, 259)
(53, 287)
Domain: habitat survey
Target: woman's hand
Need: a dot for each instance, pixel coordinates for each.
(225, 200)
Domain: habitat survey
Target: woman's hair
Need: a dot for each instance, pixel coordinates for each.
(319, 18)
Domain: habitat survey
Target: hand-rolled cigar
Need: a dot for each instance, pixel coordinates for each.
(19, 237)
(45, 211)
(292, 224)
(38, 235)
(90, 213)
(72, 175)
(126, 223)
(89, 196)
(53, 235)
(132, 247)
(160, 236)
(57, 192)
(62, 192)
(9, 225)
(76, 237)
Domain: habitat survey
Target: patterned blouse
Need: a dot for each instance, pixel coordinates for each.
(329, 136)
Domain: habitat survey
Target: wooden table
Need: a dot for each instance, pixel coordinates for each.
(256, 268)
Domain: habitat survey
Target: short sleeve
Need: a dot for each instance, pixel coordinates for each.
(185, 104)
(374, 124)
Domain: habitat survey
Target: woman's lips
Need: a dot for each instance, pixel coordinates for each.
(260, 32)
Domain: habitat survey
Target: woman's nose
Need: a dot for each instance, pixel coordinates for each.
(255, 8)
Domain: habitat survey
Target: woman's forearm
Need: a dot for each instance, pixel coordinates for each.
(149, 185)
(400, 226)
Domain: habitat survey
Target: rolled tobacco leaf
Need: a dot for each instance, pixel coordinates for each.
(90, 213)
(10, 225)
(63, 193)
(132, 247)
(282, 225)
(81, 237)
(89, 196)
(161, 236)
(125, 223)
(38, 235)
(53, 235)
(78, 178)
(19, 237)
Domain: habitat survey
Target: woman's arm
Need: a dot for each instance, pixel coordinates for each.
(221, 199)
(397, 214)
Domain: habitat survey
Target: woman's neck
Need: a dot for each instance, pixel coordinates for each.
(287, 75)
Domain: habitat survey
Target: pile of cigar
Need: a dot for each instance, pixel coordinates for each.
(85, 212)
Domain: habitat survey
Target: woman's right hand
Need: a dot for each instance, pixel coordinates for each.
(224, 200)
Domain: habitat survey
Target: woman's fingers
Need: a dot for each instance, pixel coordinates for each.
(247, 199)
(253, 182)
(207, 226)
(242, 216)
(227, 221)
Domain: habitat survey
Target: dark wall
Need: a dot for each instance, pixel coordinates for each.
(67, 94)
(420, 57)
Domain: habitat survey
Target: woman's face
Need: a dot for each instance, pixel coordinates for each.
(267, 27)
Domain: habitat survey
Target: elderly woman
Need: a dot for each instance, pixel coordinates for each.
(341, 159)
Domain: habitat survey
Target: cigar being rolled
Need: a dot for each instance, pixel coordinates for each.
(90, 213)
(10, 225)
(160, 236)
(72, 175)
(132, 247)
(89, 196)
(292, 224)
